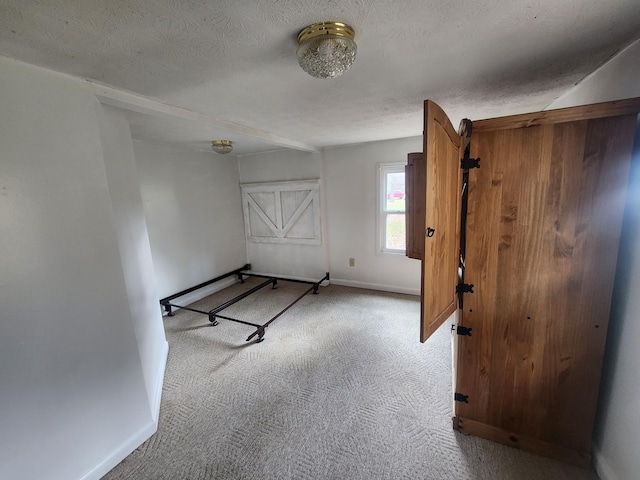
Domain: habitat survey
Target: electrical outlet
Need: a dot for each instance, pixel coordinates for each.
(352, 262)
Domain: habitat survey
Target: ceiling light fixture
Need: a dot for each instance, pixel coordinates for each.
(222, 146)
(326, 49)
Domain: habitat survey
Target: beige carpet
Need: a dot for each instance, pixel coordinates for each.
(340, 388)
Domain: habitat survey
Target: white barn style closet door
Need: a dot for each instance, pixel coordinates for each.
(282, 212)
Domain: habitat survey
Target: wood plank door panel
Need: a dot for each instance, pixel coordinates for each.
(544, 219)
(415, 185)
(443, 151)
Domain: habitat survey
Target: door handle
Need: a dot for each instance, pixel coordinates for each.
(430, 232)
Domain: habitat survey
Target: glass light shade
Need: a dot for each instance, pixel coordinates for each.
(222, 146)
(326, 49)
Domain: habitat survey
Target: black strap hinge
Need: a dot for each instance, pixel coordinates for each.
(464, 288)
(469, 163)
(466, 331)
(458, 397)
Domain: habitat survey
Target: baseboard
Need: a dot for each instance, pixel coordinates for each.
(139, 437)
(201, 293)
(121, 452)
(155, 404)
(292, 277)
(604, 471)
(376, 286)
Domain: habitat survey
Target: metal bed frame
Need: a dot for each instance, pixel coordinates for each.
(214, 313)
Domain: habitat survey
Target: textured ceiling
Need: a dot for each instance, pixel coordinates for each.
(230, 65)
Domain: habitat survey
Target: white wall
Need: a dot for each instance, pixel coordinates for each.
(135, 251)
(73, 393)
(350, 174)
(615, 80)
(617, 433)
(194, 216)
(348, 198)
(300, 261)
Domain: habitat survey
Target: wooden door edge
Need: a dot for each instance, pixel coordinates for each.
(523, 442)
(427, 330)
(615, 108)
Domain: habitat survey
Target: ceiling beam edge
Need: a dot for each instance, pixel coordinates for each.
(136, 103)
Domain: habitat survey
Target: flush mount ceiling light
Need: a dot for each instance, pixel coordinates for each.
(326, 49)
(222, 146)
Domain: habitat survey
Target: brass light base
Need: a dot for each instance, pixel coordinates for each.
(222, 146)
(338, 29)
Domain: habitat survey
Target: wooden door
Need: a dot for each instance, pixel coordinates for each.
(415, 184)
(544, 219)
(443, 151)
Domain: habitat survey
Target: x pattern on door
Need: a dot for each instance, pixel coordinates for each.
(283, 212)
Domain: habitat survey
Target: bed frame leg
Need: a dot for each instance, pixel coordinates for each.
(317, 285)
(259, 332)
(212, 319)
(275, 284)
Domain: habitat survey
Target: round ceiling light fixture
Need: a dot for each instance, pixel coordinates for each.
(326, 49)
(222, 146)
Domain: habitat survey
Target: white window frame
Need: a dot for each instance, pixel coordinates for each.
(383, 170)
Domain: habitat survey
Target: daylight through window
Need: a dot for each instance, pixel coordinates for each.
(392, 208)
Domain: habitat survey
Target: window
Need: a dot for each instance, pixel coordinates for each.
(392, 194)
